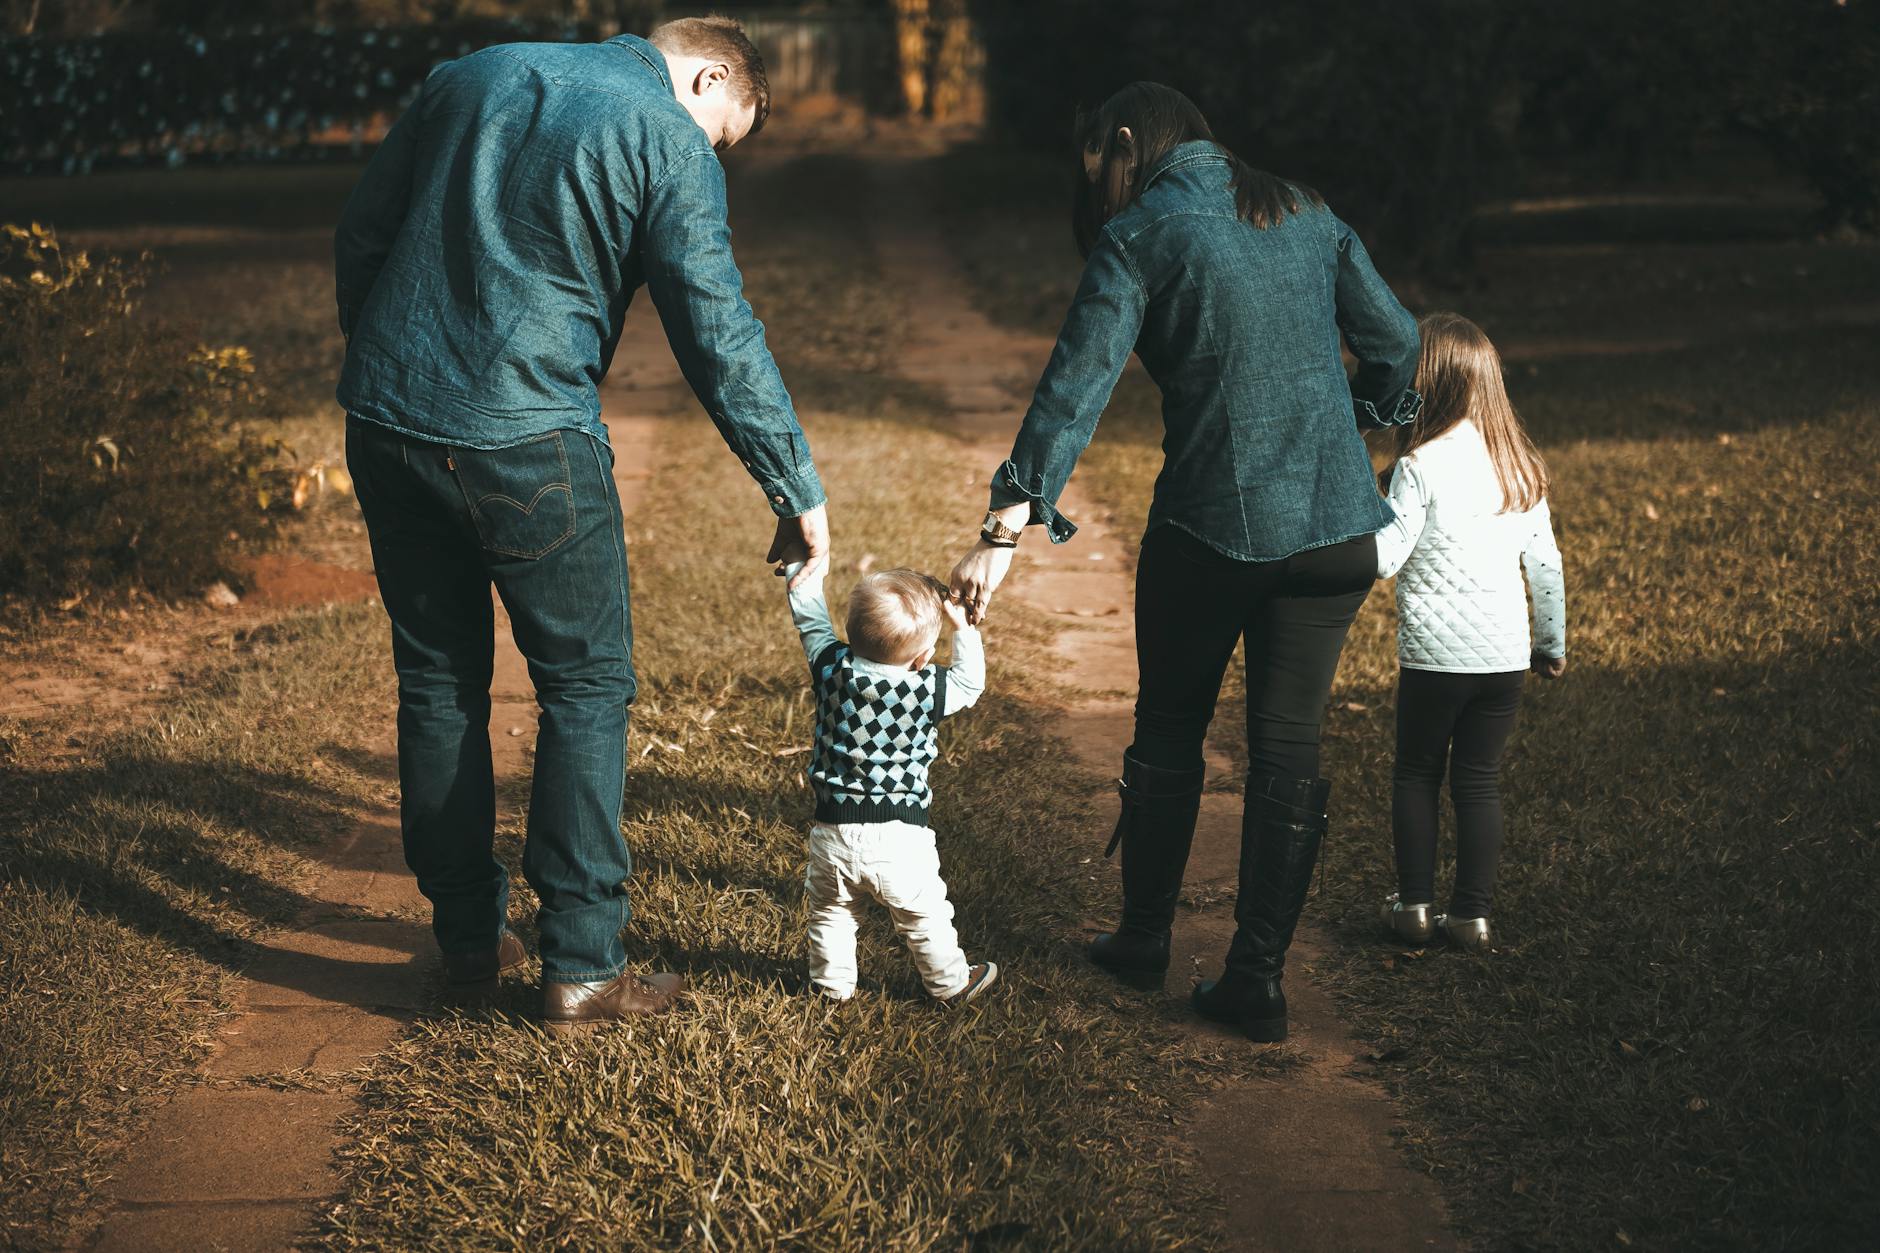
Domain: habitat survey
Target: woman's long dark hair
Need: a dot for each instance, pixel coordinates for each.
(1159, 118)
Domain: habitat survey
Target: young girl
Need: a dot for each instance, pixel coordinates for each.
(1470, 494)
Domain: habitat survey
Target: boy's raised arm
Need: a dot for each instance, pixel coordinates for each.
(966, 676)
(809, 610)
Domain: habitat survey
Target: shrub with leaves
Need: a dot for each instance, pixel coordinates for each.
(124, 461)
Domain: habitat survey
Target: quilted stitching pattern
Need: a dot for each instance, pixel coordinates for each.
(1462, 604)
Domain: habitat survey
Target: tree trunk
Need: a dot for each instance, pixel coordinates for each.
(957, 62)
(911, 20)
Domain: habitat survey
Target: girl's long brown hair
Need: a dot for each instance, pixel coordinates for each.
(1459, 376)
(1160, 117)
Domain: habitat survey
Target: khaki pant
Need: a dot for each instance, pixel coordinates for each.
(896, 864)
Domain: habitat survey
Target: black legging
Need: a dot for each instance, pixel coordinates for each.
(1467, 719)
(1193, 605)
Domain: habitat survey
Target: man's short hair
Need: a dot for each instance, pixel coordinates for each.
(894, 614)
(721, 39)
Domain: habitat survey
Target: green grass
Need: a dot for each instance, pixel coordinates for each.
(1674, 1044)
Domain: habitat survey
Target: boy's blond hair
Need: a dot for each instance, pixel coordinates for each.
(894, 614)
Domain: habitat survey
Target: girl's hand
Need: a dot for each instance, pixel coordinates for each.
(1548, 667)
(977, 577)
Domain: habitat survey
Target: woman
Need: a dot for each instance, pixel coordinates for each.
(1234, 288)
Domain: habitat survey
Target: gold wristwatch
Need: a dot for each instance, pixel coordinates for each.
(996, 533)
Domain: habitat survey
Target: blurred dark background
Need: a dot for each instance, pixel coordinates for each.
(1408, 117)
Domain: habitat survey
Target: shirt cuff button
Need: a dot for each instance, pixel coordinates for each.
(776, 500)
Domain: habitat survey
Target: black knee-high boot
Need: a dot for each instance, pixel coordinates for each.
(1280, 835)
(1155, 829)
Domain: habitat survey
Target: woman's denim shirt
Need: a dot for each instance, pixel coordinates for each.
(487, 257)
(1240, 329)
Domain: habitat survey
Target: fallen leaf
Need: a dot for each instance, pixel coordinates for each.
(1651, 512)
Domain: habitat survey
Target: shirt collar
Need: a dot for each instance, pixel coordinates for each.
(647, 53)
(1184, 154)
(879, 669)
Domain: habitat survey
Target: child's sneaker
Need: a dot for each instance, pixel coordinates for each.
(978, 979)
(1469, 933)
(1410, 923)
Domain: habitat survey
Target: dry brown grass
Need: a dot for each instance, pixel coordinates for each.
(761, 1117)
(138, 861)
(1673, 1045)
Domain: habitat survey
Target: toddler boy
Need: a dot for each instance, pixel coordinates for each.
(879, 700)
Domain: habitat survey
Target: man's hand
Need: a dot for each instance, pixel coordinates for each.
(804, 538)
(1548, 667)
(977, 577)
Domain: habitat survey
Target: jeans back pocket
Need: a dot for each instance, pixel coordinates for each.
(521, 498)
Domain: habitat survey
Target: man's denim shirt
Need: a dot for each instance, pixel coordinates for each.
(487, 257)
(1240, 329)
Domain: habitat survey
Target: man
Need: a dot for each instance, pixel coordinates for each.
(485, 263)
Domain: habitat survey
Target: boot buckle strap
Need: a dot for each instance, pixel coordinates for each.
(1122, 819)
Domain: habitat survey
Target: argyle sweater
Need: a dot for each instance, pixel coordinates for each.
(876, 724)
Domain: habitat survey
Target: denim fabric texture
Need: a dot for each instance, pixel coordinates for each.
(1240, 328)
(540, 520)
(487, 257)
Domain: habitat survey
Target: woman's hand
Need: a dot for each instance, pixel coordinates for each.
(977, 577)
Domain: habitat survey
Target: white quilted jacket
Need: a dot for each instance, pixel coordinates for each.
(1461, 606)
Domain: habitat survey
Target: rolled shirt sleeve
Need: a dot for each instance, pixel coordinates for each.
(1381, 334)
(717, 338)
(1098, 335)
(809, 611)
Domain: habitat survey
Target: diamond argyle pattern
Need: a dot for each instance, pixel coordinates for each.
(874, 739)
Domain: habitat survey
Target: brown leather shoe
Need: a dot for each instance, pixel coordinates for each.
(463, 970)
(576, 1006)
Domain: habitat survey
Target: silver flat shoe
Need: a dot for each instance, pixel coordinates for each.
(1469, 933)
(1410, 923)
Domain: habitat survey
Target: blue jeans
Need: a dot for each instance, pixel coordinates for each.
(540, 521)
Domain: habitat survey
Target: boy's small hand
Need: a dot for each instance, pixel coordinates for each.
(1548, 667)
(955, 613)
